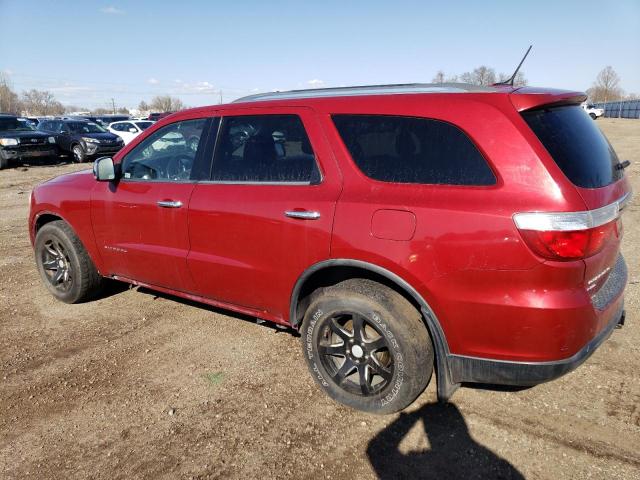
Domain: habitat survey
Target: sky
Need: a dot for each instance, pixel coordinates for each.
(89, 52)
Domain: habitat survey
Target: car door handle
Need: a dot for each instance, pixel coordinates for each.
(302, 214)
(169, 203)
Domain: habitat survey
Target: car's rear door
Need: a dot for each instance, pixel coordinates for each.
(141, 222)
(267, 212)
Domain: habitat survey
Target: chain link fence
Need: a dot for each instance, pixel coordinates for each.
(624, 109)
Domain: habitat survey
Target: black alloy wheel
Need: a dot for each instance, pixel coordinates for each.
(56, 265)
(366, 346)
(64, 264)
(355, 354)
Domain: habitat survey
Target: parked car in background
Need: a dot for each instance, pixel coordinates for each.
(20, 141)
(593, 111)
(157, 116)
(103, 120)
(27, 121)
(391, 225)
(82, 139)
(106, 120)
(128, 130)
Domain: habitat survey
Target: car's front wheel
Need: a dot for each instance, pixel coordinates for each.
(367, 346)
(77, 153)
(593, 116)
(64, 265)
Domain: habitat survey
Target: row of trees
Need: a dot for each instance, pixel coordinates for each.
(41, 102)
(481, 75)
(605, 88)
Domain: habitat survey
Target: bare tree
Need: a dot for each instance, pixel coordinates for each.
(166, 103)
(519, 81)
(143, 106)
(101, 111)
(9, 101)
(439, 77)
(41, 102)
(482, 75)
(74, 108)
(606, 88)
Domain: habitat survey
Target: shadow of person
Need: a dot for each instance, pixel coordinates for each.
(452, 453)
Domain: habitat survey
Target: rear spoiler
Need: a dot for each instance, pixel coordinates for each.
(527, 98)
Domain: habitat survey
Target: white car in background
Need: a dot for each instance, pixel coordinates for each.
(592, 110)
(129, 129)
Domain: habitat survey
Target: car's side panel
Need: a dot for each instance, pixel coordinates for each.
(244, 249)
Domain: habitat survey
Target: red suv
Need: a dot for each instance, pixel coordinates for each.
(398, 228)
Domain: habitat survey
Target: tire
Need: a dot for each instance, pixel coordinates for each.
(381, 371)
(593, 116)
(77, 154)
(4, 162)
(64, 265)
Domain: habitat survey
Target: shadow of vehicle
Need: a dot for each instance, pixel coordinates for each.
(452, 453)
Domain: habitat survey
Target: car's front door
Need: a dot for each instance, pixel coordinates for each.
(140, 222)
(267, 213)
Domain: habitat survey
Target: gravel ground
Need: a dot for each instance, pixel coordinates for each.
(137, 385)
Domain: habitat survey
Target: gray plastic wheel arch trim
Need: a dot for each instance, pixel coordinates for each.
(445, 386)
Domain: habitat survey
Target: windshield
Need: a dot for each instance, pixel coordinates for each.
(144, 125)
(26, 125)
(13, 124)
(576, 144)
(85, 127)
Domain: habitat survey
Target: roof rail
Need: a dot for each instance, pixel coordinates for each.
(405, 88)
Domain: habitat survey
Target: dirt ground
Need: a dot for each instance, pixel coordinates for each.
(136, 385)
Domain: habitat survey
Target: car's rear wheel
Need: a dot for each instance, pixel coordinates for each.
(367, 346)
(64, 265)
(77, 153)
(593, 116)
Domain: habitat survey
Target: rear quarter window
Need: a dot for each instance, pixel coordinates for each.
(576, 144)
(413, 150)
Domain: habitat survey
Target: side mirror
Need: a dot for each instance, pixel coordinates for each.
(133, 130)
(104, 170)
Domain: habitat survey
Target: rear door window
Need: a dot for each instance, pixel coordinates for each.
(412, 150)
(576, 144)
(264, 148)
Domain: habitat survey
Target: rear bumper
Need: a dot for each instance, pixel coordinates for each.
(500, 372)
(607, 303)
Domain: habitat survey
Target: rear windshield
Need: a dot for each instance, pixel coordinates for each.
(576, 144)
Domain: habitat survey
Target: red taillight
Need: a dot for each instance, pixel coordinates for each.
(571, 235)
(572, 244)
